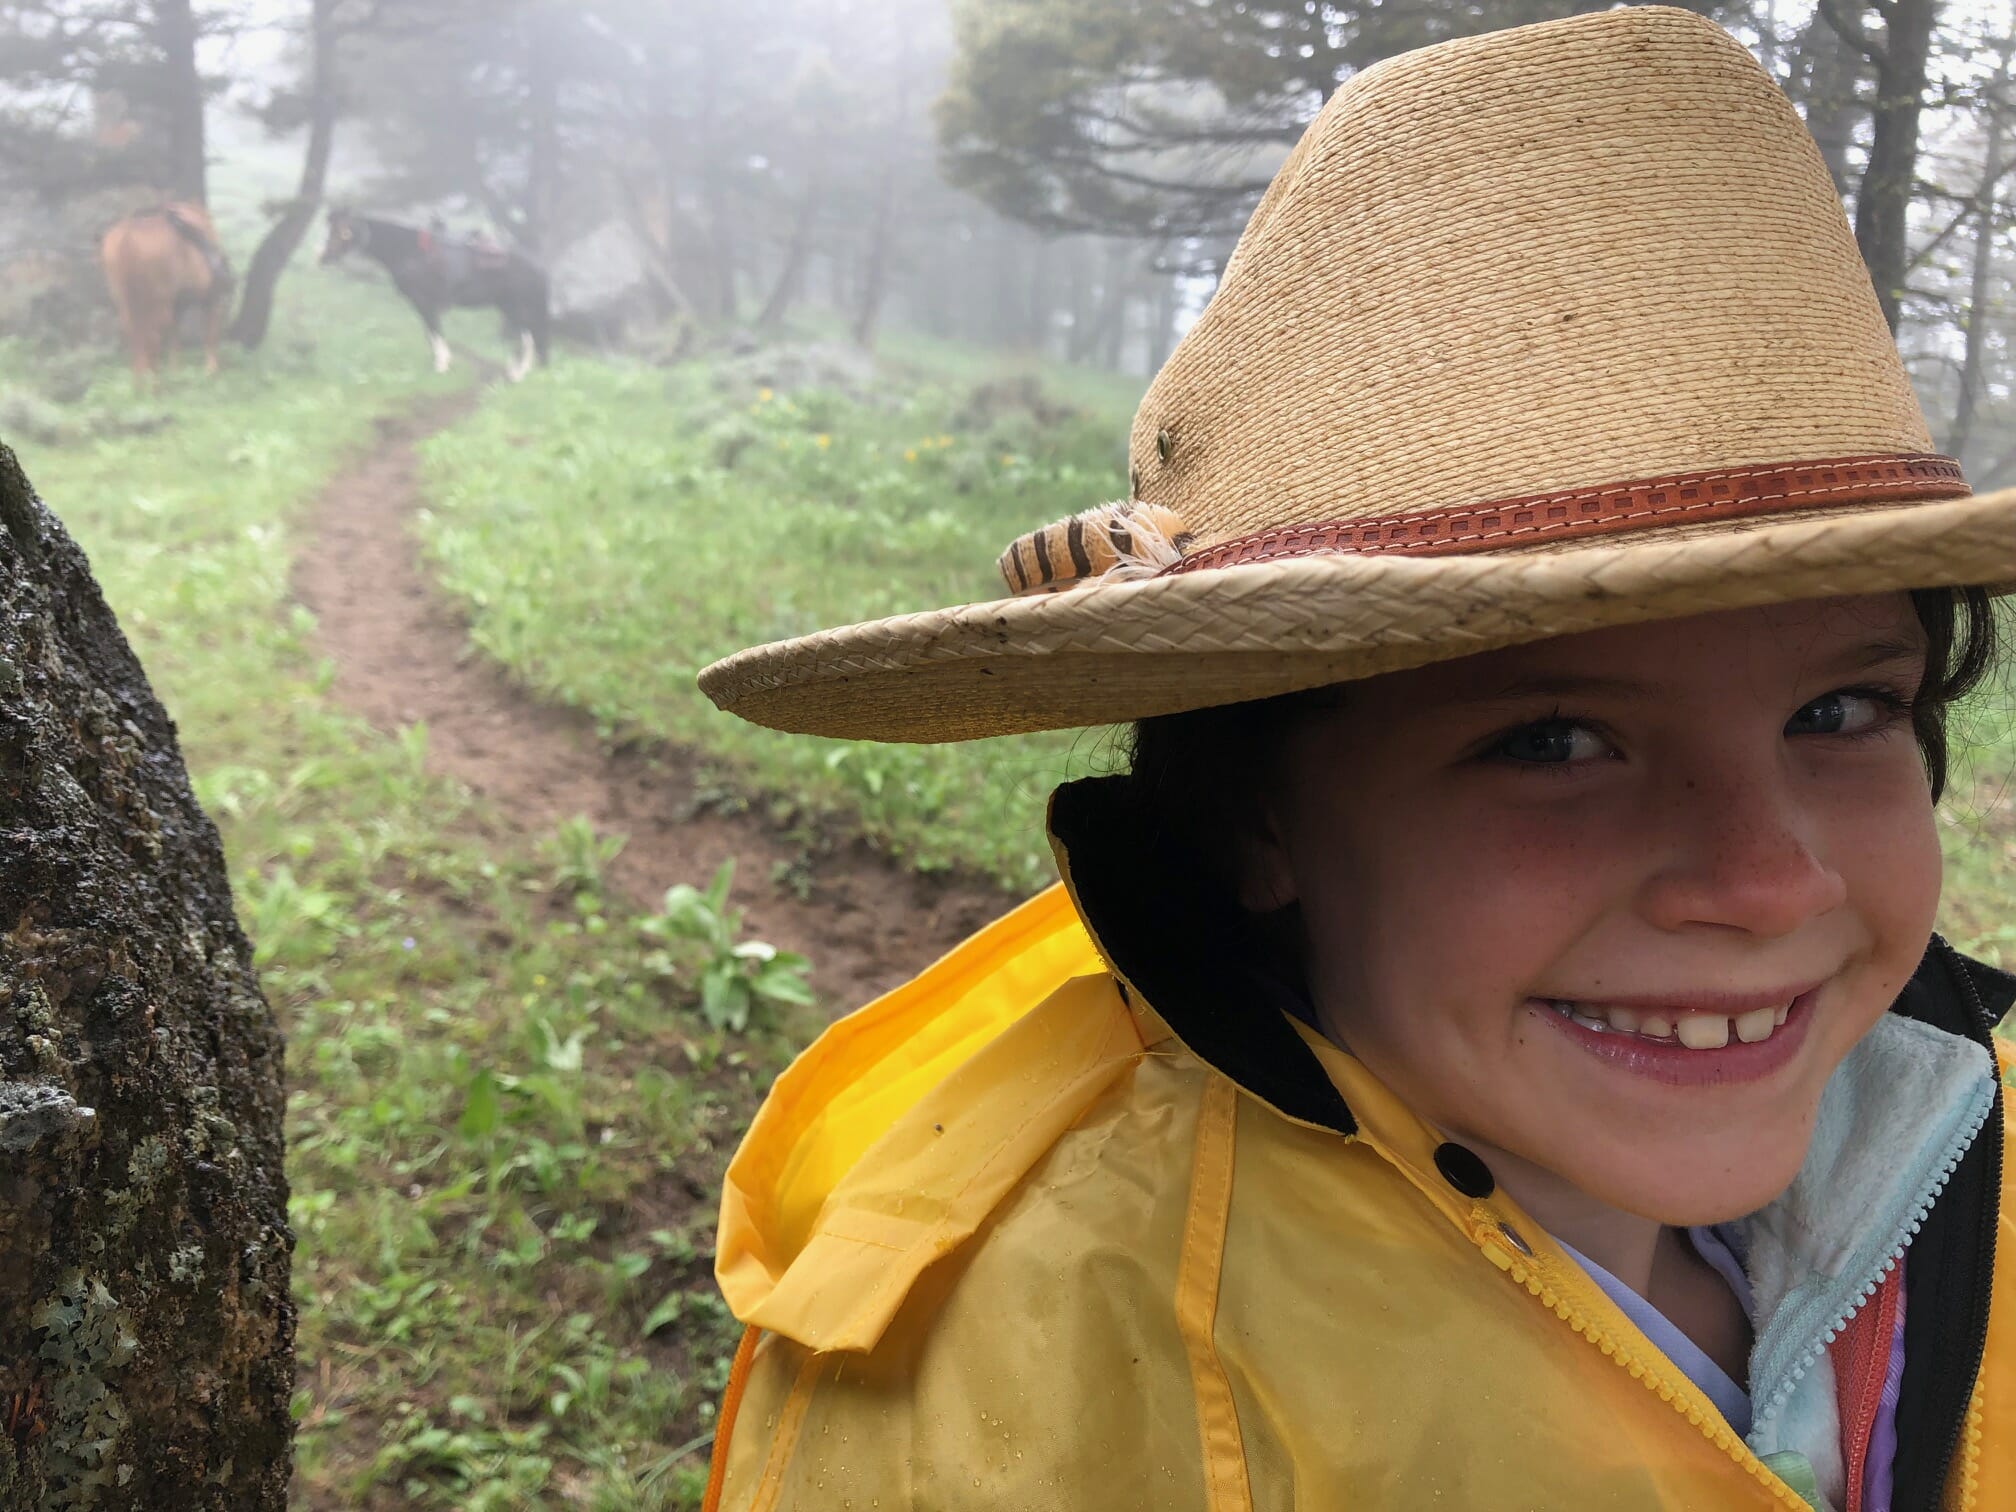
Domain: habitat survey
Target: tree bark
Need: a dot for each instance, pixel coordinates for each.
(277, 248)
(146, 1332)
(182, 100)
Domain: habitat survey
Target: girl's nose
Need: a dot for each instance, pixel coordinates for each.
(1741, 854)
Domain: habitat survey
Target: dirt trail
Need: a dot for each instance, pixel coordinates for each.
(402, 655)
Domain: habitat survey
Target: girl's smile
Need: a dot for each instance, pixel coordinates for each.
(1689, 1044)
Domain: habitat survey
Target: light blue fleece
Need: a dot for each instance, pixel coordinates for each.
(1895, 1119)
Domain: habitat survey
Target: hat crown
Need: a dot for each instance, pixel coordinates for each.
(1549, 258)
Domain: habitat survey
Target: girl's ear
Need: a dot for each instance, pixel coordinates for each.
(1263, 874)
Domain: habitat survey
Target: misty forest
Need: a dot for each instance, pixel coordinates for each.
(424, 390)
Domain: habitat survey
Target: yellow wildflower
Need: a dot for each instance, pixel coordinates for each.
(910, 454)
(822, 440)
(764, 396)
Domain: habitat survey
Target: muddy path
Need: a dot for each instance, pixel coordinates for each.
(402, 655)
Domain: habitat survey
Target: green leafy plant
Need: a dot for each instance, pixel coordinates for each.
(737, 977)
(580, 856)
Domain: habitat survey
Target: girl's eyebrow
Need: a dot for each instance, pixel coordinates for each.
(1867, 656)
(1881, 653)
(1556, 685)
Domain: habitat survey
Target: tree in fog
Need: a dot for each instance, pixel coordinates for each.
(315, 106)
(105, 91)
(1141, 118)
(1896, 38)
(475, 100)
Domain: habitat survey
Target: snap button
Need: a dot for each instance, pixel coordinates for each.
(1163, 445)
(1514, 1238)
(1464, 1170)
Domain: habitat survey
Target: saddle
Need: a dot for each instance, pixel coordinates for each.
(197, 237)
(458, 254)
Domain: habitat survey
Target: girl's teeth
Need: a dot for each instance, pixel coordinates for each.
(1703, 1031)
(1697, 1031)
(1757, 1024)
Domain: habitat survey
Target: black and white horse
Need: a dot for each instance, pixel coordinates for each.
(437, 272)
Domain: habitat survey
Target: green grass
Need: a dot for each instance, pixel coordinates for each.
(1978, 818)
(615, 528)
(508, 1111)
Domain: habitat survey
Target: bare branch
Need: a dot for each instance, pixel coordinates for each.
(1848, 27)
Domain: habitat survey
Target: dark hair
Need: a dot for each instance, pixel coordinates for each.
(1197, 777)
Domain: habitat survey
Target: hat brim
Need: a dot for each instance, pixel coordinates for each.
(1117, 652)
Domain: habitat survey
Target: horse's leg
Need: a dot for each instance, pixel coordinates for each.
(148, 349)
(213, 327)
(171, 332)
(443, 358)
(128, 331)
(521, 361)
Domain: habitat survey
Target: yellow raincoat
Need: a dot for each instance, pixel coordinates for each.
(1004, 1241)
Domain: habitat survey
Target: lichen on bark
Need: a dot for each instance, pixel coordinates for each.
(146, 1331)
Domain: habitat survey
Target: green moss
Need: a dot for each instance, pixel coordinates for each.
(86, 1338)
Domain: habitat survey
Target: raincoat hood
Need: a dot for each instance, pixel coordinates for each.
(886, 1144)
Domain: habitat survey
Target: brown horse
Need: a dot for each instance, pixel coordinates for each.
(157, 261)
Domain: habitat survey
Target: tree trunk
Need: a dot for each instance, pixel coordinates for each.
(1162, 325)
(277, 248)
(1883, 205)
(542, 91)
(1036, 322)
(182, 99)
(875, 271)
(146, 1332)
(1995, 100)
(720, 245)
(1078, 294)
(791, 276)
(1829, 74)
(1121, 277)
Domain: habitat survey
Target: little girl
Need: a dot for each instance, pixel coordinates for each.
(1490, 1050)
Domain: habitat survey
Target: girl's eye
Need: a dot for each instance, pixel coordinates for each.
(1551, 742)
(1844, 713)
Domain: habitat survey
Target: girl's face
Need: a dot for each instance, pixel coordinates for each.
(1616, 905)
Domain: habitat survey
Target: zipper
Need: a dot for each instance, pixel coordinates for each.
(1963, 1433)
(1680, 1398)
(1892, 1258)
(1868, 1403)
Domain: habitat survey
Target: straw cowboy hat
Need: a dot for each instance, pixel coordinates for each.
(1534, 332)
